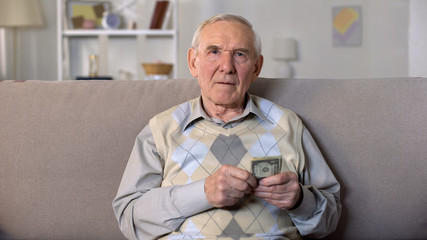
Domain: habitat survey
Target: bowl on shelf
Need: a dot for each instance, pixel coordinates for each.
(157, 68)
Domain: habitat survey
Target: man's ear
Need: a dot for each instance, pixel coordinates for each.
(191, 59)
(258, 66)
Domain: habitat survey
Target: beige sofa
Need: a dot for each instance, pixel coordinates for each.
(64, 146)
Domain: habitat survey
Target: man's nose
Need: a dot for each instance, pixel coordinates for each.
(227, 62)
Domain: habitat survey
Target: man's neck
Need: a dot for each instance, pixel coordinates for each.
(223, 112)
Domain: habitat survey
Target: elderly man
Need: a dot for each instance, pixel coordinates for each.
(189, 175)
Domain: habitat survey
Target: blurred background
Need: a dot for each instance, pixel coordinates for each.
(301, 39)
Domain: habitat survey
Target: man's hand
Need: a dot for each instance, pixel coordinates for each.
(282, 190)
(228, 185)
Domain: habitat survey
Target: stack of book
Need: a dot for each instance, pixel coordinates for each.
(160, 15)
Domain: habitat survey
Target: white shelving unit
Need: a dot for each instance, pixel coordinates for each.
(121, 37)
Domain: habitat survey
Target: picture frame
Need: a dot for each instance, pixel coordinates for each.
(86, 14)
(347, 26)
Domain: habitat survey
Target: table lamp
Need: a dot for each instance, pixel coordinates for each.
(284, 50)
(19, 13)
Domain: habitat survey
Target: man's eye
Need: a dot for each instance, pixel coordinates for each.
(239, 54)
(214, 51)
(240, 57)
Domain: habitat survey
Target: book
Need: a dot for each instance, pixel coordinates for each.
(168, 16)
(159, 14)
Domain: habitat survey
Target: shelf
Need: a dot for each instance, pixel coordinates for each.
(139, 45)
(118, 32)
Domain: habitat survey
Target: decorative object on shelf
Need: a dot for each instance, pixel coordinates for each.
(131, 25)
(284, 50)
(128, 13)
(93, 65)
(111, 20)
(80, 11)
(89, 24)
(19, 13)
(159, 14)
(94, 78)
(125, 75)
(157, 71)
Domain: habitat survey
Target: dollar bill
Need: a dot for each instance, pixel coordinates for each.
(266, 166)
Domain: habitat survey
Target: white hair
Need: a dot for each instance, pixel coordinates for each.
(229, 18)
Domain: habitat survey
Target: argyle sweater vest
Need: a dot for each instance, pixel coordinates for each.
(202, 148)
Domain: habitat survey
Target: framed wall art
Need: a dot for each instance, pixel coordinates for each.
(347, 26)
(86, 14)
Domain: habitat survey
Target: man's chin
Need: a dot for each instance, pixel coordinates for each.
(226, 100)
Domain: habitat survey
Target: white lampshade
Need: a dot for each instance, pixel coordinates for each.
(284, 49)
(20, 13)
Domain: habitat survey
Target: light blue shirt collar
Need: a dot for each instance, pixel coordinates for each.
(199, 113)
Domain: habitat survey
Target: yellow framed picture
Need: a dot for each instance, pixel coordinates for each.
(86, 14)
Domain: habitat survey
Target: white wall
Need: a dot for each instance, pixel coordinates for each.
(384, 52)
(418, 39)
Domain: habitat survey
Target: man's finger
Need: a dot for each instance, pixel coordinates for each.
(243, 175)
(278, 179)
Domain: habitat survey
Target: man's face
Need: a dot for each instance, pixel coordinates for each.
(225, 63)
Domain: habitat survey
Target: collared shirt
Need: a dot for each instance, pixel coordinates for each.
(250, 108)
(145, 210)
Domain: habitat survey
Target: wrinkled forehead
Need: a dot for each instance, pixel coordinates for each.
(227, 35)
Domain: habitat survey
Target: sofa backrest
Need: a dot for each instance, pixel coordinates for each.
(64, 146)
(374, 137)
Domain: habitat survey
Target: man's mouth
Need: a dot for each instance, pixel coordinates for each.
(226, 83)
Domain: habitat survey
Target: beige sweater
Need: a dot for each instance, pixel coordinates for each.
(195, 152)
